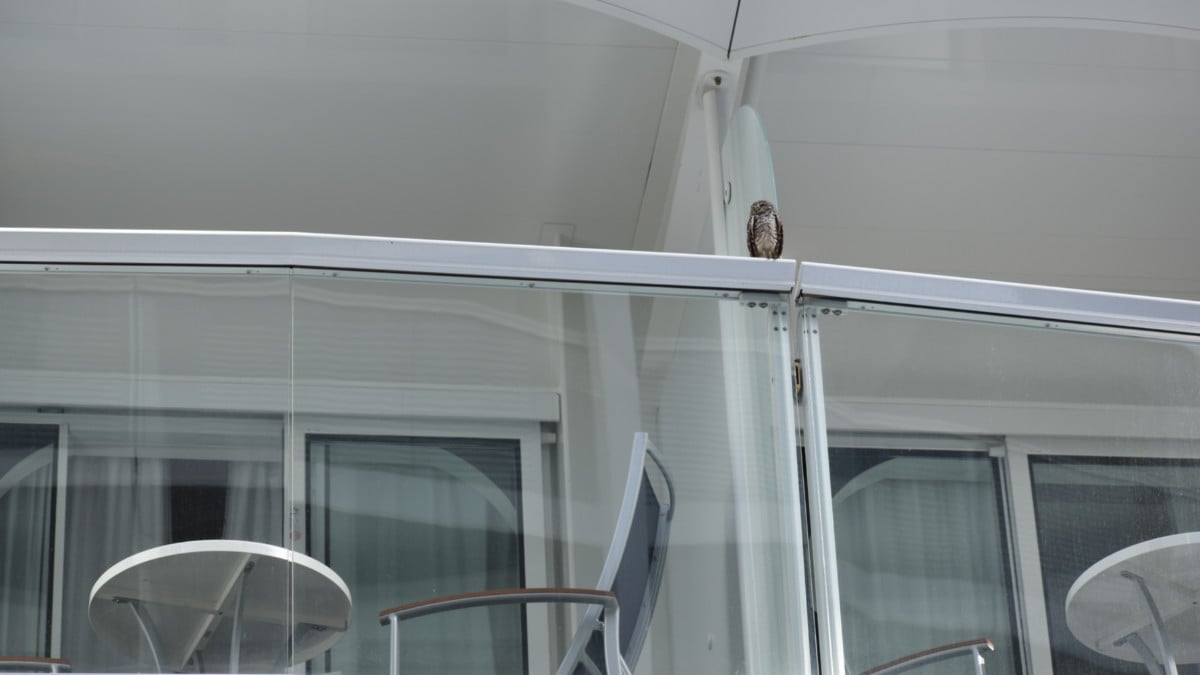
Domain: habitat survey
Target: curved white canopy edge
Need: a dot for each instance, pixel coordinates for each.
(734, 29)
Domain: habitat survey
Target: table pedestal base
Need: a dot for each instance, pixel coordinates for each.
(1166, 656)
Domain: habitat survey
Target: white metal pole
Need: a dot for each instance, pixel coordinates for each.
(709, 93)
(788, 443)
(827, 596)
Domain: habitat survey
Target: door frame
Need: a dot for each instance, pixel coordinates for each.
(59, 461)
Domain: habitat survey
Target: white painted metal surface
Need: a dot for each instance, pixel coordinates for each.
(418, 256)
(186, 589)
(825, 586)
(991, 297)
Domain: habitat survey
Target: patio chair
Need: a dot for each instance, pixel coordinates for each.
(975, 648)
(613, 628)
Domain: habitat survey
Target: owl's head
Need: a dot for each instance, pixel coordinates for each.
(762, 207)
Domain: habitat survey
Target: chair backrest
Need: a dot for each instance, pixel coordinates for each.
(634, 565)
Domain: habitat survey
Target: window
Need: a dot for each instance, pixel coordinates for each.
(922, 551)
(404, 518)
(1090, 506)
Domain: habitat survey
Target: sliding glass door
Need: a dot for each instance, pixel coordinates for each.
(922, 549)
(1090, 503)
(404, 518)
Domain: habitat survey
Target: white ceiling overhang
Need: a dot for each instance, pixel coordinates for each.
(734, 28)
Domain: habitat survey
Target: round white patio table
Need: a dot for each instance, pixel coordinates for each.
(1141, 603)
(217, 599)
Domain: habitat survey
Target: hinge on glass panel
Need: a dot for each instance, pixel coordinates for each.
(797, 379)
(763, 300)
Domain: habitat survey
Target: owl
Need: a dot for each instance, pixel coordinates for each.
(764, 232)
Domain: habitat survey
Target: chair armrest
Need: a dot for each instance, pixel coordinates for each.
(933, 655)
(35, 663)
(412, 610)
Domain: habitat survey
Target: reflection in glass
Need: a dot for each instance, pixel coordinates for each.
(1091, 507)
(1089, 446)
(402, 519)
(921, 555)
(170, 389)
(421, 438)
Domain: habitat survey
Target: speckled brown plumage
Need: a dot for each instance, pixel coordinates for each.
(764, 231)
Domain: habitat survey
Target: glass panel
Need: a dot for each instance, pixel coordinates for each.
(255, 465)
(1090, 507)
(750, 173)
(1000, 477)
(396, 379)
(921, 553)
(173, 388)
(408, 516)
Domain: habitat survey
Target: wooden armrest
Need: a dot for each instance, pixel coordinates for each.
(498, 597)
(40, 662)
(932, 655)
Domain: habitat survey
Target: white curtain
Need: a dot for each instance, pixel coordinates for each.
(921, 561)
(116, 507)
(26, 532)
(254, 504)
(411, 523)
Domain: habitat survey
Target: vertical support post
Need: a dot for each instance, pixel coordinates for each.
(612, 640)
(58, 578)
(712, 140)
(826, 593)
(793, 582)
(235, 640)
(977, 656)
(1166, 654)
(1134, 640)
(148, 632)
(394, 656)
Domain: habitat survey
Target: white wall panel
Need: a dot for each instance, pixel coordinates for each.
(1085, 221)
(1028, 46)
(1044, 156)
(37, 11)
(985, 105)
(704, 24)
(189, 115)
(289, 16)
(511, 21)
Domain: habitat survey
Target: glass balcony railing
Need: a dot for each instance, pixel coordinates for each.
(1003, 463)
(213, 465)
